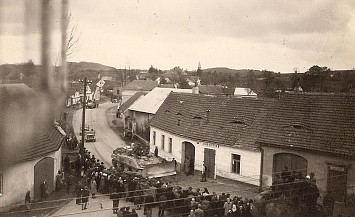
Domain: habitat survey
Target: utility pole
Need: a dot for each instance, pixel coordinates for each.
(85, 81)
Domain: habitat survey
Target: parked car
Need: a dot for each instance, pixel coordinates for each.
(92, 104)
(114, 100)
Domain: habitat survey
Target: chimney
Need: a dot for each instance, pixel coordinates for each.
(208, 114)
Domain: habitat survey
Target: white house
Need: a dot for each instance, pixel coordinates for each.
(143, 109)
(30, 148)
(244, 92)
(76, 92)
(221, 132)
(41, 161)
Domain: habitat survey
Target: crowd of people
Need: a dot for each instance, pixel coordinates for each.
(122, 184)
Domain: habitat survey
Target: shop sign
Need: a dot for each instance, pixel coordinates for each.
(210, 145)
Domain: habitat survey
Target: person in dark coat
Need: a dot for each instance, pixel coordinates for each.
(44, 190)
(115, 201)
(187, 166)
(78, 190)
(66, 163)
(162, 204)
(84, 198)
(120, 212)
(28, 200)
(156, 151)
(199, 212)
(149, 200)
(204, 173)
(312, 194)
(133, 213)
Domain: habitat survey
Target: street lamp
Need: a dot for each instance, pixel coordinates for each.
(85, 82)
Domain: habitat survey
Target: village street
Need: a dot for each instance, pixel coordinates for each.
(106, 139)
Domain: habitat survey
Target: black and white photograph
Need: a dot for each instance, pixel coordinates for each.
(177, 108)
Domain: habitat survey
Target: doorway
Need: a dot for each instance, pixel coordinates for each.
(44, 170)
(209, 159)
(188, 155)
(336, 182)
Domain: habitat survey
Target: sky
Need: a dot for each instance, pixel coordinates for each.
(276, 35)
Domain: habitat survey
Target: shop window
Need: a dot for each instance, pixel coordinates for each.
(236, 163)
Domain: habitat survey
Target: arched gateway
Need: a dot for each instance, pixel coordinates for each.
(188, 156)
(43, 170)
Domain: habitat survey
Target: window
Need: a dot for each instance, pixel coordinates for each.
(162, 141)
(118, 92)
(1, 185)
(236, 163)
(170, 145)
(154, 137)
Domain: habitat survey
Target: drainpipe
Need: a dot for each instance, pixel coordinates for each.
(261, 169)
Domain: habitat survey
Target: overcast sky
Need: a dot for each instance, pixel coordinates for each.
(276, 35)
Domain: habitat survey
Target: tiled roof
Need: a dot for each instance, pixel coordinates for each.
(130, 101)
(228, 90)
(232, 121)
(154, 99)
(144, 85)
(24, 139)
(45, 142)
(109, 85)
(318, 122)
(211, 89)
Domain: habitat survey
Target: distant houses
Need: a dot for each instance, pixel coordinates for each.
(135, 86)
(219, 90)
(75, 92)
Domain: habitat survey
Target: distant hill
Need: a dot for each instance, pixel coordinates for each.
(83, 66)
(29, 73)
(90, 70)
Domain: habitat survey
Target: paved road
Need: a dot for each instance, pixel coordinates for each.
(106, 139)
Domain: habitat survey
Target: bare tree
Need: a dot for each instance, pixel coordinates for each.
(72, 40)
(72, 36)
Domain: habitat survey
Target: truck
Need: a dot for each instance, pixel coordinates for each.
(90, 136)
(139, 160)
